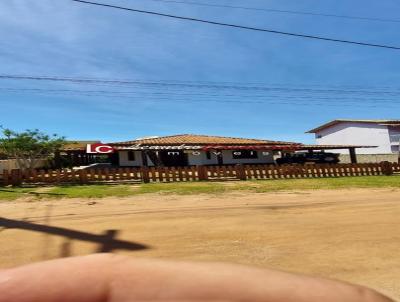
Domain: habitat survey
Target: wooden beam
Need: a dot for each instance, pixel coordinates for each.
(353, 155)
(144, 159)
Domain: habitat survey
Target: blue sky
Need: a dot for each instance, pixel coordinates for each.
(66, 39)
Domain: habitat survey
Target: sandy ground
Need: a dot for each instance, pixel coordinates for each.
(351, 235)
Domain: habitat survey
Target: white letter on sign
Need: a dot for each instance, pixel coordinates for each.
(98, 148)
(173, 153)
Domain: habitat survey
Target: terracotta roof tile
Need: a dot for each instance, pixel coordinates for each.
(192, 139)
(77, 145)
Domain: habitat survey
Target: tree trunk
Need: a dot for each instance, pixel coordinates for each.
(20, 162)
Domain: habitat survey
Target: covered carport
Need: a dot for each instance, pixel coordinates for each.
(351, 148)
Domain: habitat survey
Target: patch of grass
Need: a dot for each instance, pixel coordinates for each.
(100, 191)
(191, 188)
(9, 193)
(184, 188)
(91, 191)
(322, 183)
(259, 186)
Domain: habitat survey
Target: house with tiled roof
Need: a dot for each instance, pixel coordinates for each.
(191, 149)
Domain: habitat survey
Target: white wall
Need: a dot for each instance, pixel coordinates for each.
(227, 157)
(352, 133)
(201, 159)
(124, 162)
(138, 162)
(263, 158)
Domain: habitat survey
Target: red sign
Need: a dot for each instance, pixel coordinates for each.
(99, 148)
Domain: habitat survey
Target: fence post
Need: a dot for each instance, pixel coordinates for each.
(387, 168)
(240, 172)
(5, 178)
(145, 174)
(16, 178)
(202, 172)
(83, 176)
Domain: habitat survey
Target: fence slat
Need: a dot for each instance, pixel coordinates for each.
(17, 177)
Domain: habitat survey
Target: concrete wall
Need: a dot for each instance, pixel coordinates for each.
(369, 158)
(351, 133)
(9, 164)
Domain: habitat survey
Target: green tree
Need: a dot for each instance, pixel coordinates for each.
(30, 146)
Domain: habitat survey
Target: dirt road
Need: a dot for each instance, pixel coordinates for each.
(352, 235)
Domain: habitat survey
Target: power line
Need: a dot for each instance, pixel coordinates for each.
(278, 101)
(241, 26)
(272, 10)
(191, 94)
(188, 92)
(189, 83)
(247, 87)
(193, 97)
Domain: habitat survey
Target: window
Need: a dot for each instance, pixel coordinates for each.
(208, 155)
(131, 155)
(394, 138)
(318, 136)
(242, 154)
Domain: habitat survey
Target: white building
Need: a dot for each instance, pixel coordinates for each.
(384, 134)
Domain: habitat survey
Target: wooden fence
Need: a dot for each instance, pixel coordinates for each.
(195, 173)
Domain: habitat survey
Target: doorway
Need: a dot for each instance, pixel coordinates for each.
(173, 158)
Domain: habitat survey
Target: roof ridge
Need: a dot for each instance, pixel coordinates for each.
(147, 138)
(335, 121)
(232, 137)
(156, 137)
(368, 120)
(199, 135)
(200, 139)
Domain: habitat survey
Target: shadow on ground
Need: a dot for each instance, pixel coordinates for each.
(107, 242)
